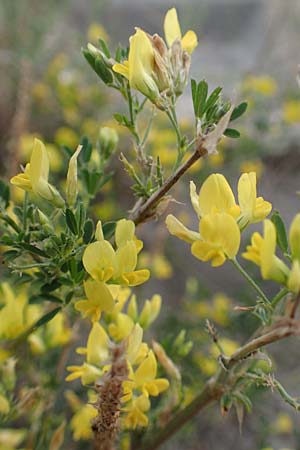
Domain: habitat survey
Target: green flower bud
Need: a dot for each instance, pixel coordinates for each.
(107, 140)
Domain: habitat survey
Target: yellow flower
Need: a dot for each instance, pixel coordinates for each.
(135, 416)
(176, 228)
(220, 239)
(262, 252)
(96, 31)
(81, 422)
(99, 298)
(72, 179)
(293, 282)
(12, 315)
(173, 32)
(253, 209)
(103, 263)
(96, 350)
(87, 372)
(294, 237)
(10, 438)
(121, 327)
(99, 260)
(215, 196)
(252, 165)
(291, 112)
(4, 405)
(140, 65)
(150, 311)
(57, 332)
(263, 84)
(35, 177)
(144, 377)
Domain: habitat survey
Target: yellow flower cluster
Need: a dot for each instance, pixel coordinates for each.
(221, 220)
(106, 265)
(142, 365)
(262, 252)
(154, 68)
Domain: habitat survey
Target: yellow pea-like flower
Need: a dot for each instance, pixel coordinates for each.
(176, 228)
(97, 350)
(99, 298)
(99, 260)
(150, 311)
(86, 372)
(80, 423)
(12, 315)
(145, 377)
(140, 65)
(293, 282)
(173, 32)
(136, 416)
(35, 177)
(220, 239)
(121, 327)
(253, 209)
(262, 252)
(215, 196)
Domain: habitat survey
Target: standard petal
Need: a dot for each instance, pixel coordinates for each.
(171, 27)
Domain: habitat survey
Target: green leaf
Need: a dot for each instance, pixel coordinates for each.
(239, 111)
(4, 193)
(281, 233)
(86, 149)
(108, 229)
(45, 297)
(71, 221)
(32, 249)
(50, 287)
(103, 71)
(232, 133)
(104, 48)
(46, 318)
(194, 94)
(202, 91)
(88, 231)
(212, 99)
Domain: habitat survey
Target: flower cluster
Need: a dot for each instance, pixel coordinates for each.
(221, 220)
(262, 252)
(142, 380)
(155, 69)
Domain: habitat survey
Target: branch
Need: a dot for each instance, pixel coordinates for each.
(142, 212)
(222, 381)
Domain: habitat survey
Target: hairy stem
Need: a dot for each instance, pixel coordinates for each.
(147, 210)
(222, 381)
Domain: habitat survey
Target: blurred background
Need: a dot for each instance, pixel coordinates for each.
(251, 48)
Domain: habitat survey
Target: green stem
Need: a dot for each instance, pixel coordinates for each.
(131, 113)
(25, 203)
(279, 296)
(250, 280)
(170, 113)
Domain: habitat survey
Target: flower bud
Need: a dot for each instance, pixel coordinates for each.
(166, 362)
(4, 405)
(72, 178)
(107, 140)
(293, 282)
(295, 238)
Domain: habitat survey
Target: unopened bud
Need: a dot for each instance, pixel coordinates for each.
(295, 237)
(293, 282)
(150, 311)
(58, 437)
(108, 140)
(4, 405)
(166, 362)
(72, 178)
(99, 232)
